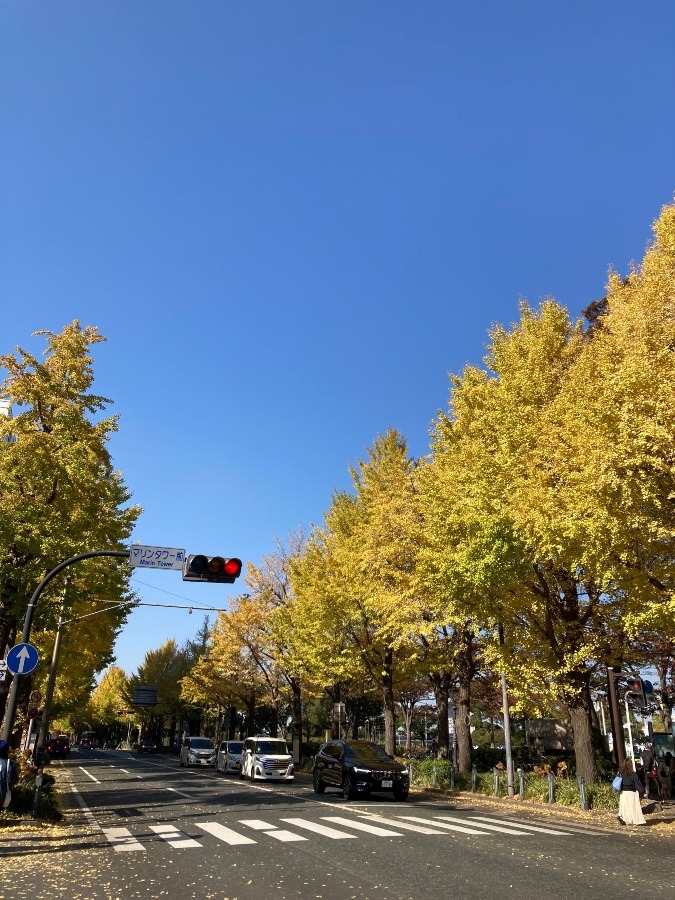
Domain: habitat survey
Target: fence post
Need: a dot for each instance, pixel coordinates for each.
(496, 774)
(433, 776)
(551, 798)
(582, 793)
(521, 784)
(411, 772)
(474, 775)
(452, 777)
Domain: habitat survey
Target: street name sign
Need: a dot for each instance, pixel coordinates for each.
(22, 659)
(156, 557)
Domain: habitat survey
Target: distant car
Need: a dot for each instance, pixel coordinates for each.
(147, 745)
(359, 767)
(229, 756)
(58, 747)
(197, 751)
(84, 744)
(266, 759)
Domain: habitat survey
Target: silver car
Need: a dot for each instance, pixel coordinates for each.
(197, 751)
(229, 756)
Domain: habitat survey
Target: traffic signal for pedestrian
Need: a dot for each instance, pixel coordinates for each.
(219, 569)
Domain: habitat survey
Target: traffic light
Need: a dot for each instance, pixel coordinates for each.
(219, 569)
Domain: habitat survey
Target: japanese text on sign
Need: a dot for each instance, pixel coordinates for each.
(156, 557)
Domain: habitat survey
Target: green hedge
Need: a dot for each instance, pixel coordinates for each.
(23, 794)
(566, 791)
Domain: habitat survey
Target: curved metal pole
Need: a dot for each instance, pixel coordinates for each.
(10, 711)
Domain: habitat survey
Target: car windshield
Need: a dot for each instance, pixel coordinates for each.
(366, 751)
(201, 744)
(271, 747)
(234, 747)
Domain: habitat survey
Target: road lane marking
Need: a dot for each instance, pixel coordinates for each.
(521, 825)
(224, 834)
(277, 833)
(320, 829)
(361, 826)
(511, 829)
(442, 825)
(174, 837)
(89, 775)
(280, 835)
(180, 793)
(89, 816)
(122, 839)
(420, 829)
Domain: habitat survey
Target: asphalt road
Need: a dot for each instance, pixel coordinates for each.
(139, 826)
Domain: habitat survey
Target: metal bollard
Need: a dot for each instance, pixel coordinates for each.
(474, 776)
(551, 798)
(433, 776)
(582, 793)
(496, 774)
(452, 777)
(521, 784)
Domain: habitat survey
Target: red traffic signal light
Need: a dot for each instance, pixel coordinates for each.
(219, 569)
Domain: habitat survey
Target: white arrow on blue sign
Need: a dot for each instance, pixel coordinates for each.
(22, 659)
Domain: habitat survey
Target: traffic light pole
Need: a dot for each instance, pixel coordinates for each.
(10, 712)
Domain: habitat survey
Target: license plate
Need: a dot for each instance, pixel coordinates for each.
(387, 783)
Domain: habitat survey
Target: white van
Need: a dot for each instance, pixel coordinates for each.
(266, 759)
(197, 751)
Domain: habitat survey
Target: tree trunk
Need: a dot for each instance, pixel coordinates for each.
(441, 690)
(465, 672)
(389, 706)
(297, 707)
(462, 728)
(582, 729)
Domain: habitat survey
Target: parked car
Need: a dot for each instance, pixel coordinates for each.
(147, 745)
(229, 756)
(197, 751)
(266, 759)
(359, 767)
(58, 747)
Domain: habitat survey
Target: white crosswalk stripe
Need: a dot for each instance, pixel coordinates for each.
(483, 824)
(174, 837)
(447, 825)
(316, 828)
(122, 839)
(406, 826)
(224, 834)
(277, 833)
(361, 826)
(518, 824)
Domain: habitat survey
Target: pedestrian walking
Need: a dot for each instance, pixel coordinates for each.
(630, 808)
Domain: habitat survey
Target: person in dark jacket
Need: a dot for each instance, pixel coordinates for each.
(630, 808)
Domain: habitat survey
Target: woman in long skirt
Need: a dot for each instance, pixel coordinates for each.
(630, 808)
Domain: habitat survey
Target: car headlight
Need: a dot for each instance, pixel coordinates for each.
(361, 771)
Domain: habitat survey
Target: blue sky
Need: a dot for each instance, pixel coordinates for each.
(292, 221)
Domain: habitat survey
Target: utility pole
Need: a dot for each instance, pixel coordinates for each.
(618, 741)
(47, 708)
(510, 785)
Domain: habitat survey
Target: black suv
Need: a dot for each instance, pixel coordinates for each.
(358, 767)
(58, 747)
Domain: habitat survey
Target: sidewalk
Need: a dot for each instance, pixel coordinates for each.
(662, 819)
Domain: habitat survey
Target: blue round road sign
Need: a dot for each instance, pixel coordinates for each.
(22, 659)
